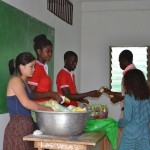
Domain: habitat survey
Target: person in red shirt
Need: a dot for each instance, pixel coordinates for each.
(41, 83)
(66, 81)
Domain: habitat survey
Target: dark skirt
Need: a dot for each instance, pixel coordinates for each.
(18, 127)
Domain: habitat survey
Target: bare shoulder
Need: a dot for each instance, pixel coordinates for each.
(14, 80)
(13, 83)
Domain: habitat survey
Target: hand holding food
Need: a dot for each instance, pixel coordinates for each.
(104, 89)
(114, 96)
(65, 100)
(48, 109)
(54, 105)
(56, 96)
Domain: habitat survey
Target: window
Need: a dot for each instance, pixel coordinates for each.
(62, 9)
(140, 59)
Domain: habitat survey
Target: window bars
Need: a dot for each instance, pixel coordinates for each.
(62, 9)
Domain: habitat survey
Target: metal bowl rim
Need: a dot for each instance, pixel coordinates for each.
(53, 112)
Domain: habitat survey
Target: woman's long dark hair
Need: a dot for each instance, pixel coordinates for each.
(135, 83)
(22, 59)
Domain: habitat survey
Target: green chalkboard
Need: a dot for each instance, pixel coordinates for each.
(17, 31)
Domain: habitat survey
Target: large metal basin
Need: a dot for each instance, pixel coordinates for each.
(61, 123)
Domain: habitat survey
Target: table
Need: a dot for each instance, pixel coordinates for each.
(79, 142)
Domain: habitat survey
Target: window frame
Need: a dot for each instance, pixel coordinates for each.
(129, 47)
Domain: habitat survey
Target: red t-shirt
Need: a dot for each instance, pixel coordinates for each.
(66, 79)
(41, 79)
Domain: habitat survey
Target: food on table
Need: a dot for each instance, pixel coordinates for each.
(56, 106)
(59, 108)
(76, 109)
(67, 100)
(98, 111)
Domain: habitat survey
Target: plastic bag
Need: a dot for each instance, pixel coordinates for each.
(33, 116)
(108, 125)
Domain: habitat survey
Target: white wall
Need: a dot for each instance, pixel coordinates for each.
(104, 24)
(67, 37)
(3, 122)
(107, 24)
